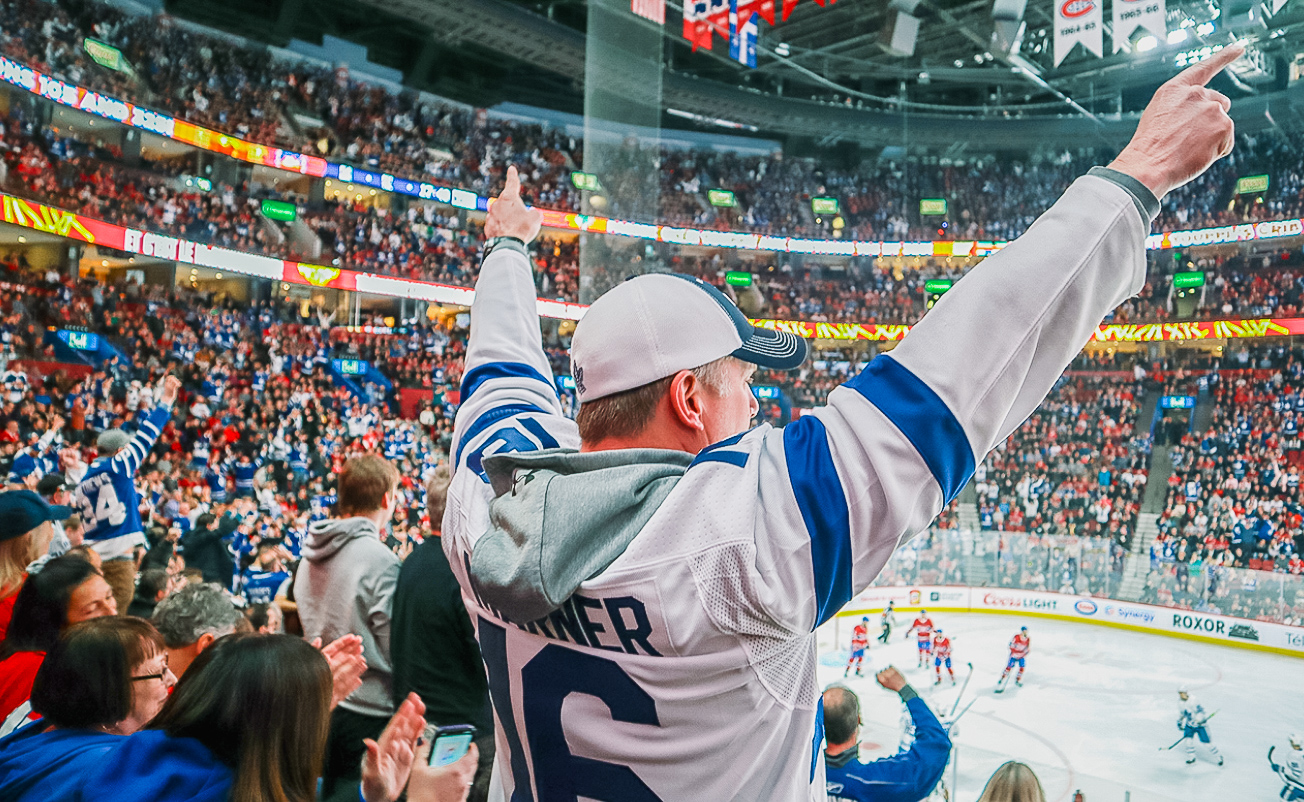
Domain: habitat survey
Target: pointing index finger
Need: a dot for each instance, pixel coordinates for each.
(512, 189)
(1202, 72)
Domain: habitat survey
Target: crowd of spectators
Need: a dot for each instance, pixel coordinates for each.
(423, 242)
(1234, 494)
(1078, 466)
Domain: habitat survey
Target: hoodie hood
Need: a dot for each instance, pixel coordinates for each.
(151, 765)
(327, 537)
(50, 766)
(560, 518)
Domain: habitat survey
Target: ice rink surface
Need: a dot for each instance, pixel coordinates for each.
(1097, 707)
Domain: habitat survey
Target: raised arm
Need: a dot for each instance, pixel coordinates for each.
(507, 373)
(899, 441)
(129, 459)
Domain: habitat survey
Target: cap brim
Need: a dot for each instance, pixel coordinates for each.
(776, 350)
(59, 512)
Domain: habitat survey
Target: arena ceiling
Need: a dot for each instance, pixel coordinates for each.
(533, 51)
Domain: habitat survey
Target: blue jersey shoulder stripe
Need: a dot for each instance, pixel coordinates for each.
(488, 419)
(923, 417)
(738, 458)
(818, 744)
(477, 376)
(823, 506)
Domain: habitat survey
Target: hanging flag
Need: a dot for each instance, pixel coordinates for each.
(788, 6)
(717, 20)
(742, 33)
(765, 9)
(1077, 21)
(1132, 14)
(654, 10)
(697, 24)
(693, 10)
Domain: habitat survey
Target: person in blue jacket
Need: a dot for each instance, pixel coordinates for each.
(907, 777)
(104, 679)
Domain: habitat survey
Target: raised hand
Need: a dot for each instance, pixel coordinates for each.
(171, 386)
(508, 214)
(1183, 130)
(347, 664)
(388, 762)
(891, 679)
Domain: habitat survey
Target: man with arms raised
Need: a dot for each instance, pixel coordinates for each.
(645, 605)
(109, 501)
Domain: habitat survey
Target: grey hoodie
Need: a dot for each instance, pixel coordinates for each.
(344, 585)
(560, 518)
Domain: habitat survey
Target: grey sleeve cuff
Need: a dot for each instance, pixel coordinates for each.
(505, 244)
(907, 693)
(1145, 201)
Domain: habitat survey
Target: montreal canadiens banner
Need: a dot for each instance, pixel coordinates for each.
(1077, 21)
(1132, 14)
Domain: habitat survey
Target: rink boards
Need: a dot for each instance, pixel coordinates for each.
(1221, 629)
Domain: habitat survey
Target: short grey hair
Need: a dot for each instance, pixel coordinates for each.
(195, 611)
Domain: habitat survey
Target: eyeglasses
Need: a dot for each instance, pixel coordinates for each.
(162, 673)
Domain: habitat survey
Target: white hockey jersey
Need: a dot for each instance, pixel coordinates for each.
(685, 669)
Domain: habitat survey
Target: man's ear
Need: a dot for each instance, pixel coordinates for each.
(204, 642)
(686, 400)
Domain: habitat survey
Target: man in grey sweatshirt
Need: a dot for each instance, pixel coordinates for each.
(344, 585)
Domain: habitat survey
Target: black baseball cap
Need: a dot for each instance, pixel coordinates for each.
(21, 511)
(51, 483)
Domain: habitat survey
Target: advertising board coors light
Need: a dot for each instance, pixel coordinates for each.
(1132, 14)
(1077, 21)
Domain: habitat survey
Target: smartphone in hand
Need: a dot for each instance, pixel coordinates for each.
(451, 744)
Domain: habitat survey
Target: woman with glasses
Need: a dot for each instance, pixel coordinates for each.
(103, 679)
(67, 591)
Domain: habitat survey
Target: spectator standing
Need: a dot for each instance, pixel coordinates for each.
(435, 653)
(25, 536)
(205, 548)
(906, 777)
(109, 501)
(695, 537)
(345, 584)
(191, 619)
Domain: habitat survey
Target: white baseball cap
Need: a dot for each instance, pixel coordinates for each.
(656, 325)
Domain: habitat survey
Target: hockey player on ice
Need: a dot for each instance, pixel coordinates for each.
(1019, 648)
(923, 626)
(859, 643)
(1291, 770)
(886, 621)
(1191, 721)
(942, 653)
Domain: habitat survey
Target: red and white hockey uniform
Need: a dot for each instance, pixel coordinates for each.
(1019, 646)
(942, 647)
(859, 638)
(923, 628)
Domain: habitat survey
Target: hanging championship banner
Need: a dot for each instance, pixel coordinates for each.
(1077, 21)
(1132, 14)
